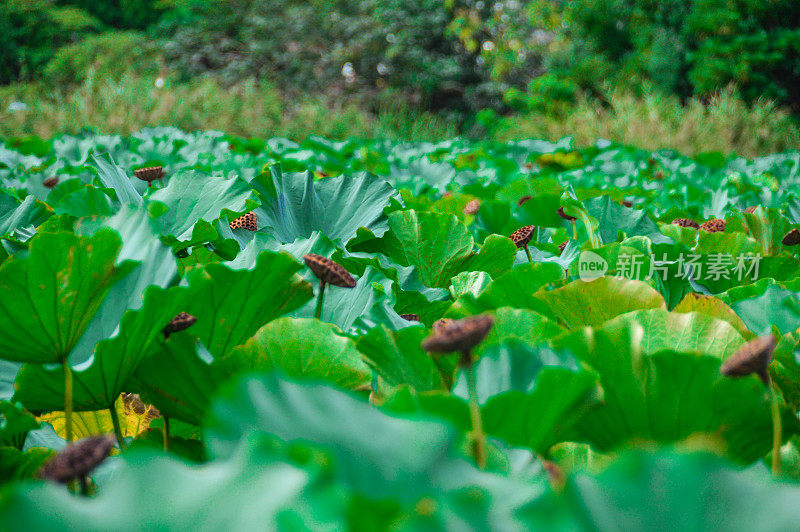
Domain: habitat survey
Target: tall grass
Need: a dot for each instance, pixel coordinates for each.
(655, 121)
(247, 109)
(724, 124)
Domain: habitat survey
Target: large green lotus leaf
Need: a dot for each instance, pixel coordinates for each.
(191, 196)
(690, 332)
(399, 358)
(85, 201)
(178, 378)
(18, 215)
(376, 453)
(580, 303)
(515, 288)
(714, 307)
(8, 372)
(231, 305)
(317, 243)
(251, 490)
(669, 396)
(521, 324)
(615, 217)
(530, 396)
(302, 347)
(112, 177)
(53, 293)
(472, 283)
(295, 205)
(785, 368)
(775, 306)
(767, 226)
(440, 247)
(667, 490)
(17, 465)
(157, 266)
(15, 424)
(98, 382)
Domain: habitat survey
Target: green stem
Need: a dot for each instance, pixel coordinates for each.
(574, 230)
(68, 399)
(478, 437)
(318, 312)
(777, 430)
(166, 434)
(117, 427)
(528, 253)
(84, 485)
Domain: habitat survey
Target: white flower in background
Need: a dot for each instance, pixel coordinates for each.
(349, 72)
(17, 105)
(159, 82)
(382, 69)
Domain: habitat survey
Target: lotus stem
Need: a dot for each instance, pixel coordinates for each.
(166, 434)
(478, 437)
(67, 399)
(84, 485)
(777, 429)
(574, 230)
(318, 312)
(528, 253)
(117, 427)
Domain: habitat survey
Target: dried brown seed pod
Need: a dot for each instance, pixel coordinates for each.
(150, 173)
(523, 199)
(178, 323)
(522, 236)
(685, 222)
(562, 245)
(50, 183)
(460, 335)
(792, 238)
(246, 221)
(440, 324)
(77, 459)
(472, 207)
(626, 203)
(752, 358)
(713, 225)
(750, 210)
(410, 317)
(132, 403)
(565, 215)
(328, 271)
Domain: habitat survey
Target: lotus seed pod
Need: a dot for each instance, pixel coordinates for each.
(77, 459)
(626, 203)
(523, 199)
(472, 207)
(713, 226)
(410, 317)
(522, 236)
(149, 174)
(178, 323)
(792, 238)
(245, 221)
(685, 222)
(565, 215)
(50, 183)
(439, 325)
(328, 271)
(460, 335)
(132, 403)
(752, 358)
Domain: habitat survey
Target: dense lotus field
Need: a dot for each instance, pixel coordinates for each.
(374, 335)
